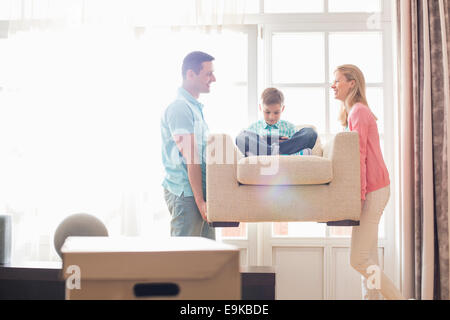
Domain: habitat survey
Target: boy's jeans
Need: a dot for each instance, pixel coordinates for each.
(186, 219)
(250, 143)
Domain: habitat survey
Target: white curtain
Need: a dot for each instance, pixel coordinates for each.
(81, 95)
(130, 12)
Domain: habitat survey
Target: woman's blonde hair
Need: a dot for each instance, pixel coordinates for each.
(356, 95)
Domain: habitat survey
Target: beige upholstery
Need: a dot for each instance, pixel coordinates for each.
(292, 170)
(328, 191)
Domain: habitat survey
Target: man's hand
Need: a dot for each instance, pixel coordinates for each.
(188, 147)
(202, 209)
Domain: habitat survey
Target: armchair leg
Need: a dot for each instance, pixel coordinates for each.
(224, 224)
(343, 223)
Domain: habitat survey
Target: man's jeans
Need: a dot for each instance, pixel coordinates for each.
(250, 143)
(186, 218)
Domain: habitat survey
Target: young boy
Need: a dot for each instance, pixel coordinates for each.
(273, 136)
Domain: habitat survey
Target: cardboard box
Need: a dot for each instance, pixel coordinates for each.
(140, 268)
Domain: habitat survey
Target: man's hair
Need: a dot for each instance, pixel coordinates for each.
(193, 61)
(272, 96)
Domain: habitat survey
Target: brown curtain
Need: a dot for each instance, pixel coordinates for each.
(423, 35)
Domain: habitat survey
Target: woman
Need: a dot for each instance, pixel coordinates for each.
(350, 88)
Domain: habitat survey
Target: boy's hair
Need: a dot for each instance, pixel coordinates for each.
(272, 96)
(193, 61)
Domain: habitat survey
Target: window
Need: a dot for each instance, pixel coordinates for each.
(302, 65)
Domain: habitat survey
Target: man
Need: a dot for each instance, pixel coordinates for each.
(184, 135)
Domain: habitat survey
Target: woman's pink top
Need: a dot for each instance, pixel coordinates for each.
(374, 174)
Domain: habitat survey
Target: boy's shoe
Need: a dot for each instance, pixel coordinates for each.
(306, 152)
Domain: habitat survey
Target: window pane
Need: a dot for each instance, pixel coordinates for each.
(299, 229)
(341, 232)
(298, 58)
(354, 6)
(368, 56)
(251, 6)
(239, 232)
(305, 106)
(335, 107)
(226, 109)
(289, 6)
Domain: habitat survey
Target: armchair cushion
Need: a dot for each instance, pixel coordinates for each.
(284, 170)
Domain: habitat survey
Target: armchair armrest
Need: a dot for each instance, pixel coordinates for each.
(222, 157)
(343, 151)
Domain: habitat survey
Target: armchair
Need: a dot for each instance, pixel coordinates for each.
(324, 187)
